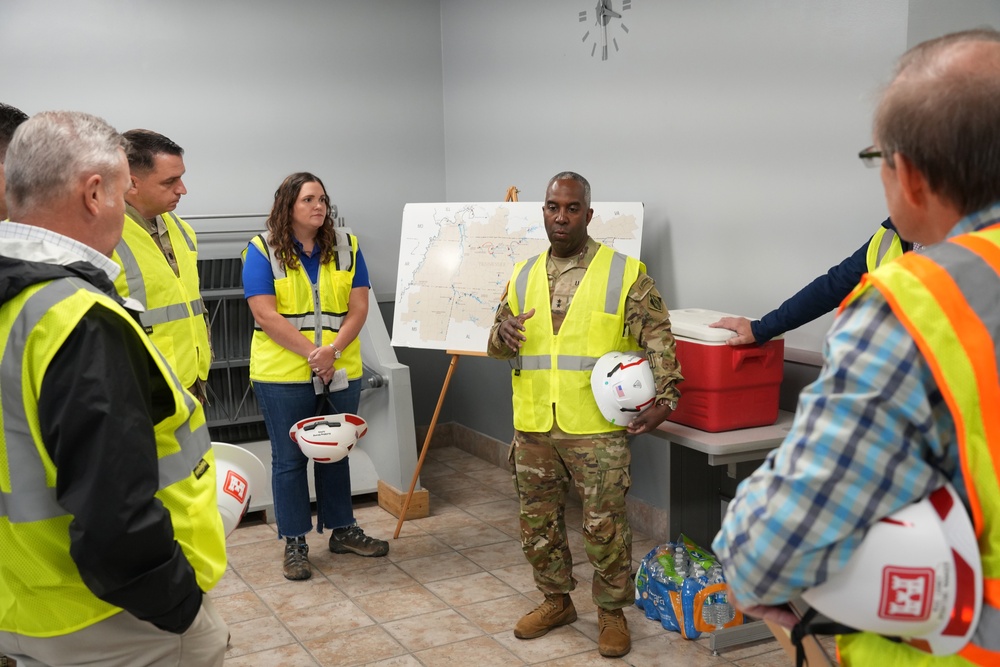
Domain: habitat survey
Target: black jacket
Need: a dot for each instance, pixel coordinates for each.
(99, 399)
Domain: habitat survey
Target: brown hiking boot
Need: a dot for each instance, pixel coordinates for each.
(296, 559)
(614, 640)
(352, 540)
(557, 610)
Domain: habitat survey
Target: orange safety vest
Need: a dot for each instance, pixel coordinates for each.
(946, 299)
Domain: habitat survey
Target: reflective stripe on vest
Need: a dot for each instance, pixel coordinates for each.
(27, 502)
(318, 317)
(594, 325)
(178, 326)
(884, 246)
(946, 298)
(33, 527)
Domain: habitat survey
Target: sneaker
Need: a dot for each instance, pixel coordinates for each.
(614, 640)
(297, 559)
(557, 610)
(352, 540)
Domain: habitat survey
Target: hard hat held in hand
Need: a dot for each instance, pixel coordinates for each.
(328, 438)
(916, 575)
(623, 387)
(238, 474)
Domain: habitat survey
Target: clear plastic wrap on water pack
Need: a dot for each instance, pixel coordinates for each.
(682, 586)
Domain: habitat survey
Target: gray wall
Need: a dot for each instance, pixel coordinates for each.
(932, 18)
(253, 90)
(736, 122)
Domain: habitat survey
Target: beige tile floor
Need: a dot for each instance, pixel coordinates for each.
(448, 594)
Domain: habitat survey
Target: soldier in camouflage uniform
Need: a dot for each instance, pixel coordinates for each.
(597, 464)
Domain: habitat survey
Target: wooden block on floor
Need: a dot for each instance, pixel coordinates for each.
(392, 499)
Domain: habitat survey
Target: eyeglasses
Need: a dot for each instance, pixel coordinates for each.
(871, 156)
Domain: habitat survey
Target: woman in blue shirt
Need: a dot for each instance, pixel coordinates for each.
(307, 286)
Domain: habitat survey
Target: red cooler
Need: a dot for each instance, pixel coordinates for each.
(724, 387)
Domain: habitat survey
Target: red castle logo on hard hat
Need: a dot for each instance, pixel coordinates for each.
(906, 593)
(235, 486)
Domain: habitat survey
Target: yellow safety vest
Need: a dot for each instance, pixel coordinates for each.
(174, 316)
(884, 246)
(317, 311)
(41, 592)
(556, 368)
(944, 298)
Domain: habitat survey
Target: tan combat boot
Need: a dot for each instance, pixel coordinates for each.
(614, 640)
(557, 610)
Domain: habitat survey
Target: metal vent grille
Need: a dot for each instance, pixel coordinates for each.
(232, 413)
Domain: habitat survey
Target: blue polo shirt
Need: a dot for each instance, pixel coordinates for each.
(258, 278)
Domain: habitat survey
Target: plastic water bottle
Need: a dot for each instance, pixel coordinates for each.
(692, 586)
(655, 570)
(680, 563)
(718, 611)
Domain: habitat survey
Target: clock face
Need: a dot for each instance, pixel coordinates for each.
(604, 27)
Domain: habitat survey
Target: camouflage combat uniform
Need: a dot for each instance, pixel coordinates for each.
(597, 464)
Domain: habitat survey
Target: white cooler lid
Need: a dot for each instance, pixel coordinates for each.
(693, 323)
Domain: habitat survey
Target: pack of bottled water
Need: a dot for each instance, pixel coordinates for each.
(682, 586)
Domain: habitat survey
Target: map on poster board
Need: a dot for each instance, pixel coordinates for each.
(455, 260)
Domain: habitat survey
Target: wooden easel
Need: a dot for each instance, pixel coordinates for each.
(511, 196)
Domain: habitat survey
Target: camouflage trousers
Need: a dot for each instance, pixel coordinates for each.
(544, 467)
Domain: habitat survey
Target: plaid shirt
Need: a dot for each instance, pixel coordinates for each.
(871, 435)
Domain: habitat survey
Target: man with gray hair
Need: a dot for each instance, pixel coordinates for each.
(107, 478)
(907, 401)
(10, 118)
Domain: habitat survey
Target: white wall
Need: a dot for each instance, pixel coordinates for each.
(253, 90)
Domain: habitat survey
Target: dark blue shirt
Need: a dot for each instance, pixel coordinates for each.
(818, 297)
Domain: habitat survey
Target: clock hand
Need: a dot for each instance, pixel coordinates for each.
(604, 38)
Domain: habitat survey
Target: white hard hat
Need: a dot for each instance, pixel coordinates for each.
(916, 575)
(328, 438)
(238, 474)
(623, 386)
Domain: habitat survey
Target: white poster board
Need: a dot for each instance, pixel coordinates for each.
(455, 260)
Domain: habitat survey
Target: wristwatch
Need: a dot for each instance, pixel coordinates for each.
(336, 352)
(671, 403)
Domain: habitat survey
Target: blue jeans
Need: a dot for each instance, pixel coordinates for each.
(283, 404)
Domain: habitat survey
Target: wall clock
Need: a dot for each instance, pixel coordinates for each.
(602, 27)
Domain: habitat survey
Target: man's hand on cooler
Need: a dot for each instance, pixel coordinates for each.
(741, 325)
